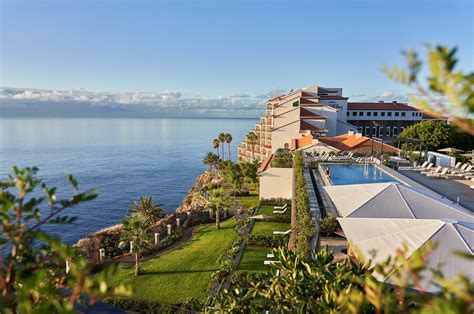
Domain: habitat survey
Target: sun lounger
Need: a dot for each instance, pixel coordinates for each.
(282, 232)
(280, 211)
(438, 169)
(269, 262)
(418, 167)
(428, 167)
(460, 169)
(280, 207)
(441, 174)
(270, 255)
(465, 172)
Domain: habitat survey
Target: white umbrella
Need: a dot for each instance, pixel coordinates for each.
(450, 150)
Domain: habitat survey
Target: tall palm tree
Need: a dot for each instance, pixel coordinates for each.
(147, 210)
(221, 138)
(135, 230)
(210, 160)
(215, 144)
(218, 201)
(228, 139)
(252, 141)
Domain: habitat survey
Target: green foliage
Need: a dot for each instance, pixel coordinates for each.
(268, 241)
(275, 201)
(324, 286)
(305, 225)
(282, 159)
(211, 160)
(32, 272)
(328, 225)
(145, 208)
(134, 229)
(446, 92)
(434, 134)
(218, 201)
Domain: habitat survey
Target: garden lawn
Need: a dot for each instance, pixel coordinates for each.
(248, 201)
(183, 272)
(267, 228)
(252, 259)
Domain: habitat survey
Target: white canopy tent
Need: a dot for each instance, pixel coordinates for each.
(393, 200)
(385, 235)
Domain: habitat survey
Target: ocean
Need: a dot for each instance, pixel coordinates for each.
(122, 158)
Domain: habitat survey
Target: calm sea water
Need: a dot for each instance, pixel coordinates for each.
(122, 158)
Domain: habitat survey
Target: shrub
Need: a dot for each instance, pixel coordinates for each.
(275, 201)
(143, 306)
(328, 225)
(267, 241)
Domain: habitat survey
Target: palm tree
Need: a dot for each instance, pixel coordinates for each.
(147, 210)
(215, 144)
(210, 160)
(218, 201)
(228, 139)
(221, 138)
(252, 141)
(135, 230)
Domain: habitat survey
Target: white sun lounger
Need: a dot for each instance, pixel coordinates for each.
(465, 172)
(428, 167)
(441, 174)
(280, 211)
(460, 169)
(419, 167)
(438, 169)
(270, 255)
(282, 232)
(280, 207)
(269, 262)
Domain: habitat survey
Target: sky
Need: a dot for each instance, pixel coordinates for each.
(217, 52)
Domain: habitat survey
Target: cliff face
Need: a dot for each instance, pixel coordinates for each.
(193, 200)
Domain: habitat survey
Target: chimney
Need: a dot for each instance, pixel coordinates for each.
(350, 133)
(358, 135)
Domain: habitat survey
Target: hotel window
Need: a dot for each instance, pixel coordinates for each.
(394, 131)
(296, 103)
(388, 132)
(359, 129)
(381, 131)
(382, 114)
(396, 114)
(376, 114)
(402, 128)
(403, 114)
(348, 113)
(369, 114)
(361, 113)
(412, 114)
(354, 113)
(367, 130)
(389, 114)
(374, 131)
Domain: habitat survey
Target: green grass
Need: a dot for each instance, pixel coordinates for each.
(183, 272)
(267, 228)
(248, 201)
(252, 259)
(268, 210)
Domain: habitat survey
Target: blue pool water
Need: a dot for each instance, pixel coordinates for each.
(357, 174)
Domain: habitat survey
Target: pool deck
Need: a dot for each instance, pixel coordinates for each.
(449, 188)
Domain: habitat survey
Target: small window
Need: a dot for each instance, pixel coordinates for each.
(348, 113)
(354, 113)
(361, 113)
(389, 114)
(376, 113)
(396, 114)
(296, 103)
(359, 129)
(367, 130)
(374, 131)
(369, 114)
(412, 114)
(388, 132)
(381, 131)
(403, 114)
(382, 114)
(395, 131)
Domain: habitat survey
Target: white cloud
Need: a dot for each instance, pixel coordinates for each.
(389, 96)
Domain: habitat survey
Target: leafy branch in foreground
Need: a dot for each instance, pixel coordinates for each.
(33, 275)
(447, 92)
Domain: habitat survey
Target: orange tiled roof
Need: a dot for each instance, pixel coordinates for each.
(265, 164)
(379, 106)
(351, 143)
(304, 141)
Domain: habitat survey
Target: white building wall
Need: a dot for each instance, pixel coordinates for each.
(276, 182)
(331, 118)
(340, 105)
(441, 159)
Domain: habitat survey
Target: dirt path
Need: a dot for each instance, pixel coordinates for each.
(187, 235)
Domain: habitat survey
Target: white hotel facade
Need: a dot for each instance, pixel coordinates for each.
(319, 112)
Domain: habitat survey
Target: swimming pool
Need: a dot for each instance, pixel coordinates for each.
(356, 174)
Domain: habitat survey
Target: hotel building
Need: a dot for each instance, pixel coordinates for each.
(323, 112)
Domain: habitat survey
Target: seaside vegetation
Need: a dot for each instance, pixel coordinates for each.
(39, 273)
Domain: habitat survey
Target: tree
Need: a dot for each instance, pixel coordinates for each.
(32, 272)
(228, 139)
(135, 232)
(447, 92)
(218, 201)
(252, 141)
(221, 139)
(215, 144)
(147, 210)
(211, 160)
(434, 134)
